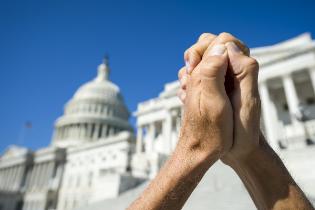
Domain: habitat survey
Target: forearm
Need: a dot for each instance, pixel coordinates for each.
(268, 181)
(174, 183)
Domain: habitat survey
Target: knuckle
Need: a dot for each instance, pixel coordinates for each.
(252, 64)
(190, 52)
(206, 36)
(224, 36)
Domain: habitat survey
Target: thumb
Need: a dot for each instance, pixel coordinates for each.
(206, 82)
(212, 69)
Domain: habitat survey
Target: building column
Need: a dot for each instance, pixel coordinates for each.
(111, 130)
(14, 175)
(167, 131)
(76, 131)
(34, 176)
(15, 171)
(269, 116)
(62, 132)
(59, 172)
(69, 131)
(4, 174)
(312, 76)
(19, 177)
(291, 96)
(43, 174)
(84, 130)
(66, 133)
(150, 138)
(50, 170)
(39, 175)
(96, 131)
(1, 178)
(7, 178)
(8, 182)
(79, 131)
(104, 131)
(11, 176)
(89, 130)
(139, 139)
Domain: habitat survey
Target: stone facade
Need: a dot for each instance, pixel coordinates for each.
(97, 171)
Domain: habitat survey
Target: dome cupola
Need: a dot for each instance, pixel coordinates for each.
(96, 111)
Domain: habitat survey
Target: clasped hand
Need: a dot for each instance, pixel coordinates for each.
(219, 90)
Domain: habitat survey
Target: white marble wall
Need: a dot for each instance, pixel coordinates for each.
(93, 172)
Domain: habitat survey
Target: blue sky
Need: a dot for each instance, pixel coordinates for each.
(49, 48)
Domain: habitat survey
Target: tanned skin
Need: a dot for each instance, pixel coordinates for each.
(219, 90)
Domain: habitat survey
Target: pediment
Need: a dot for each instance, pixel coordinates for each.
(284, 49)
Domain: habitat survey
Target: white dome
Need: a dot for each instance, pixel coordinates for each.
(97, 110)
(100, 89)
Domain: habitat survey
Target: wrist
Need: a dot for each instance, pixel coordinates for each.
(250, 155)
(196, 153)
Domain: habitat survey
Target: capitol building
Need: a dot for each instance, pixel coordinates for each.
(97, 161)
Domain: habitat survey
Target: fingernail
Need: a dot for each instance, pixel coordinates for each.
(188, 67)
(218, 49)
(233, 47)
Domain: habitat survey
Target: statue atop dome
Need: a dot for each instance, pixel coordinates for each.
(103, 70)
